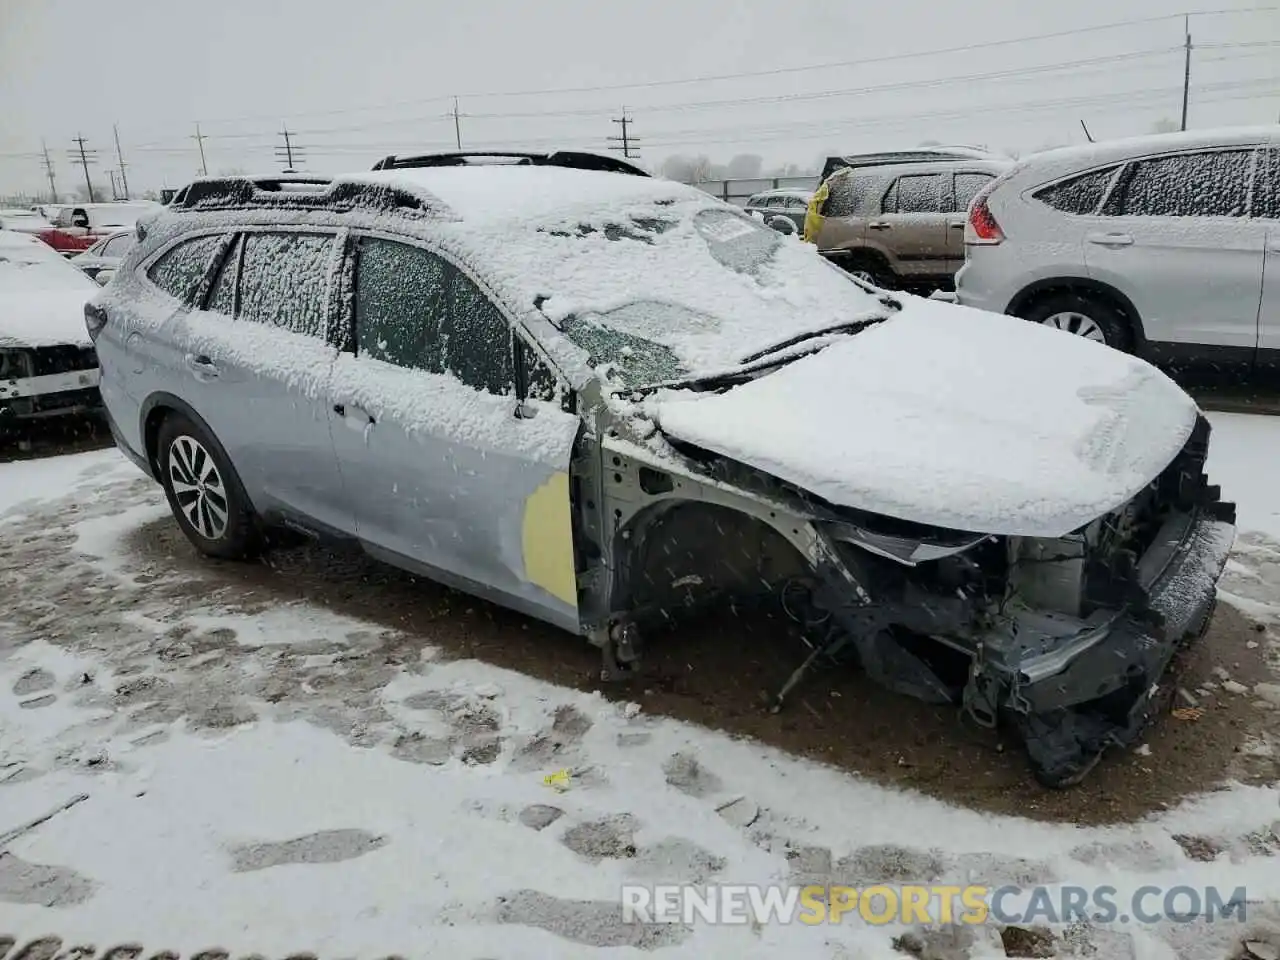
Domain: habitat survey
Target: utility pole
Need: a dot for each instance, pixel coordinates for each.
(1186, 70)
(626, 141)
(289, 152)
(115, 194)
(84, 159)
(124, 180)
(199, 139)
(48, 169)
(457, 124)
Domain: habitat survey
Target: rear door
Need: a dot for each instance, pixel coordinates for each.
(1173, 236)
(912, 225)
(447, 469)
(257, 362)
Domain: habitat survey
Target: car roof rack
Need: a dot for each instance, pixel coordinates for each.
(293, 192)
(918, 155)
(574, 159)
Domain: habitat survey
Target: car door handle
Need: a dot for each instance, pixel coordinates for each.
(879, 225)
(201, 365)
(956, 224)
(1110, 239)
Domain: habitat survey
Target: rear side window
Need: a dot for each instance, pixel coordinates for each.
(476, 339)
(967, 187)
(1080, 194)
(179, 271)
(1189, 185)
(117, 246)
(846, 195)
(917, 193)
(284, 279)
(401, 294)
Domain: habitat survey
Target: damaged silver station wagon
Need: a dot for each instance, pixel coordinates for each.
(599, 398)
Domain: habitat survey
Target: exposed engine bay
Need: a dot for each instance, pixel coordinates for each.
(1064, 639)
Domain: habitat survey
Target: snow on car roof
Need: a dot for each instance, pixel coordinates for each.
(656, 278)
(1089, 154)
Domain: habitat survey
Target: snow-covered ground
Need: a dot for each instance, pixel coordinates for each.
(265, 780)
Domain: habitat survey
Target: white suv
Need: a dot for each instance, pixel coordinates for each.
(1167, 246)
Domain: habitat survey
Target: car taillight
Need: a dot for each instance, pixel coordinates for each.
(983, 227)
(95, 318)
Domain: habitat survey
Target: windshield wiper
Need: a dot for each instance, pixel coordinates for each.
(848, 326)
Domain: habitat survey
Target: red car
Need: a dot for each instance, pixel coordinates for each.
(77, 228)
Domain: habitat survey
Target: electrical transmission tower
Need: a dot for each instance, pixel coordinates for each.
(290, 154)
(626, 143)
(84, 157)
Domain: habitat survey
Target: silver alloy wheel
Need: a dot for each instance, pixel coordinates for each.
(197, 487)
(1070, 321)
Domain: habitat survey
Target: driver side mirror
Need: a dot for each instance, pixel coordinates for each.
(104, 277)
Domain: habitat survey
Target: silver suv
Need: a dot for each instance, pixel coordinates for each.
(602, 398)
(1167, 246)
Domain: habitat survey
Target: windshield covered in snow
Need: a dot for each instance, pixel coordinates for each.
(677, 289)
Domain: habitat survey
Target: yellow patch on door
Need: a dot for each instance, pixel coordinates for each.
(547, 540)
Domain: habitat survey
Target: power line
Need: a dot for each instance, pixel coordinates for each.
(86, 157)
(777, 71)
(286, 152)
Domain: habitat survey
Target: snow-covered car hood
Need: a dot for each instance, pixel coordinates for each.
(954, 417)
(42, 296)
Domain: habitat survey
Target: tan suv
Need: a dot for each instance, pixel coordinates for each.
(899, 225)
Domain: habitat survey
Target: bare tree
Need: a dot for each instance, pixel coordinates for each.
(745, 166)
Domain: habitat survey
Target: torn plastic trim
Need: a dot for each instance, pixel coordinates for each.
(907, 551)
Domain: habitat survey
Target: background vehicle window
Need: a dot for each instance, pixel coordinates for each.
(117, 246)
(223, 298)
(1266, 192)
(476, 339)
(284, 279)
(846, 195)
(180, 271)
(918, 193)
(1080, 194)
(1190, 185)
(401, 295)
(967, 187)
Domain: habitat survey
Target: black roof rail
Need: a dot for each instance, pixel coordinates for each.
(575, 159)
(221, 193)
(921, 155)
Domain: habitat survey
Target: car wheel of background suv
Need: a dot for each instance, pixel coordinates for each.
(871, 270)
(204, 492)
(1082, 315)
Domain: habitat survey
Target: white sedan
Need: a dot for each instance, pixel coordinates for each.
(47, 362)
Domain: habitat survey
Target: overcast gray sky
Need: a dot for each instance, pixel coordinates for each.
(361, 78)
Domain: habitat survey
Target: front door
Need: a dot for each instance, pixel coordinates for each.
(1174, 237)
(448, 471)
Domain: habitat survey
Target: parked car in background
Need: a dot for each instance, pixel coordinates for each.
(47, 362)
(600, 398)
(1166, 245)
(23, 221)
(103, 258)
(899, 225)
(77, 228)
(774, 205)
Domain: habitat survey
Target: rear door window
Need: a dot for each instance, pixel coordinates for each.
(1209, 184)
(222, 298)
(284, 280)
(179, 270)
(401, 295)
(916, 193)
(967, 186)
(1080, 194)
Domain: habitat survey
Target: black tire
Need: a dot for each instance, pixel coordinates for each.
(873, 270)
(1079, 311)
(204, 491)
